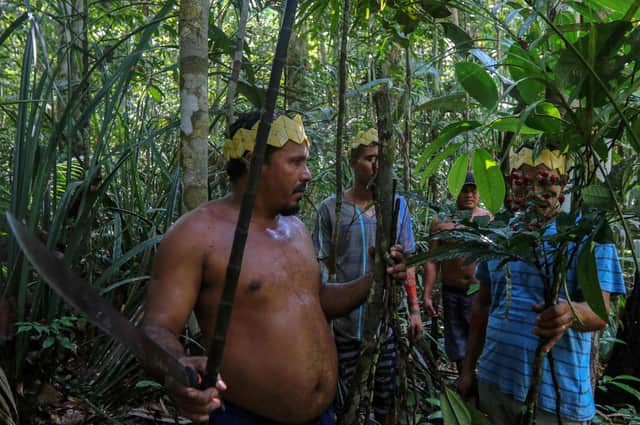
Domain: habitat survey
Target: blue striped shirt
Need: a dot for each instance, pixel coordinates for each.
(509, 352)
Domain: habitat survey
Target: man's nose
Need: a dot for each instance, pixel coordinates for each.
(306, 174)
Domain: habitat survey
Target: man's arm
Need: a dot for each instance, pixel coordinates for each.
(174, 286)
(475, 343)
(171, 296)
(415, 318)
(407, 240)
(553, 322)
(338, 299)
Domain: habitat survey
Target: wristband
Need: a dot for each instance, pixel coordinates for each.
(412, 295)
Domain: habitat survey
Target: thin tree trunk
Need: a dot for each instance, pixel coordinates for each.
(342, 89)
(406, 147)
(246, 209)
(295, 71)
(376, 321)
(237, 63)
(219, 69)
(322, 48)
(74, 62)
(194, 112)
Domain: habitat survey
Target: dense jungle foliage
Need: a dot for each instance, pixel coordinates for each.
(90, 120)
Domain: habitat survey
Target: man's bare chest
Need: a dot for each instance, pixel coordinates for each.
(268, 265)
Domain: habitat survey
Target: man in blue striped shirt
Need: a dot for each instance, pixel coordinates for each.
(507, 323)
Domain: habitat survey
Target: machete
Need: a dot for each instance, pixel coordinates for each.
(86, 299)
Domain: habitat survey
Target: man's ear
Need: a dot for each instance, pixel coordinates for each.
(246, 158)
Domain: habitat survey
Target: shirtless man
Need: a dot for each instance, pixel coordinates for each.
(279, 362)
(456, 279)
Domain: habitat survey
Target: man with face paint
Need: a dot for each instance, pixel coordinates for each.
(279, 364)
(507, 340)
(357, 234)
(457, 276)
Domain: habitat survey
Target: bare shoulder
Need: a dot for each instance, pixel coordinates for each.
(296, 226)
(200, 225)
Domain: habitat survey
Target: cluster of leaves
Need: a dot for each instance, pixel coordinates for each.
(524, 236)
(60, 331)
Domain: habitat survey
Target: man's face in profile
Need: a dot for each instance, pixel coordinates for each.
(286, 177)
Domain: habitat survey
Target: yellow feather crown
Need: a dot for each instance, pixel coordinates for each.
(551, 159)
(283, 129)
(365, 138)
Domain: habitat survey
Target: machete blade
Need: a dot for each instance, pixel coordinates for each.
(86, 299)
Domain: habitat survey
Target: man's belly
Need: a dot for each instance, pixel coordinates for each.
(283, 367)
(457, 274)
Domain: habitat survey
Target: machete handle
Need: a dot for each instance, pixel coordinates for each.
(192, 376)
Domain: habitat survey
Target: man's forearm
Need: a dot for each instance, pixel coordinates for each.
(338, 299)
(165, 338)
(412, 294)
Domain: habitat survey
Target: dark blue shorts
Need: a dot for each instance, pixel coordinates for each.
(457, 317)
(235, 415)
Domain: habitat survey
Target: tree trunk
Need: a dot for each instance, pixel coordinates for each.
(342, 90)
(237, 63)
(194, 113)
(406, 146)
(74, 63)
(377, 319)
(323, 61)
(295, 71)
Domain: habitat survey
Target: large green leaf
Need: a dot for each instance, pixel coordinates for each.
(447, 133)
(478, 83)
(489, 180)
(454, 410)
(545, 117)
(524, 70)
(437, 160)
(588, 280)
(450, 103)
(457, 175)
(512, 124)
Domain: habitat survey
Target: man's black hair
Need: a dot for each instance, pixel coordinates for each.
(238, 167)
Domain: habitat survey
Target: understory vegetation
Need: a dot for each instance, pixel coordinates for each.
(91, 160)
